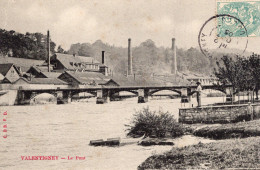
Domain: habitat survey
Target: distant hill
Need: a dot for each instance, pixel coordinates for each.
(148, 58)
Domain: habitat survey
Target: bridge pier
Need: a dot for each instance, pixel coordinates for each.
(63, 97)
(230, 97)
(143, 95)
(102, 96)
(114, 96)
(189, 94)
(19, 98)
(184, 96)
(24, 97)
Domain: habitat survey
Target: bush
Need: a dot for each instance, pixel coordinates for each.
(152, 124)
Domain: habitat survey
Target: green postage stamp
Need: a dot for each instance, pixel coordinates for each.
(246, 12)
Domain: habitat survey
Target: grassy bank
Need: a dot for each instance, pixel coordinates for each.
(233, 130)
(232, 153)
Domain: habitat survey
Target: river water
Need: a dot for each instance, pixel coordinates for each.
(66, 130)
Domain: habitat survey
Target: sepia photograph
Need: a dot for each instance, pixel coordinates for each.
(129, 84)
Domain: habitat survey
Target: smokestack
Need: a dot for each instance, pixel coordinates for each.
(130, 58)
(48, 50)
(103, 57)
(174, 58)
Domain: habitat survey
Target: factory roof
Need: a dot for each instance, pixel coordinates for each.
(22, 63)
(74, 62)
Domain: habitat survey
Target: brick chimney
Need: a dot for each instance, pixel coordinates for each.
(48, 51)
(130, 59)
(103, 57)
(103, 68)
(174, 58)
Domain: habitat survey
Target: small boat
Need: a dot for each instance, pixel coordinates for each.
(129, 140)
(108, 142)
(115, 141)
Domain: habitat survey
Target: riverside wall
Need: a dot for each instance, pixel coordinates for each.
(8, 99)
(218, 114)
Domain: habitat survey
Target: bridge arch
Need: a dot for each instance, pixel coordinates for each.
(204, 89)
(46, 96)
(117, 91)
(73, 93)
(157, 90)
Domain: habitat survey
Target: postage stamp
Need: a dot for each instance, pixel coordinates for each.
(245, 11)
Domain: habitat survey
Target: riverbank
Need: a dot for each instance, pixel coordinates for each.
(232, 153)
(232, 130)
(236, 151)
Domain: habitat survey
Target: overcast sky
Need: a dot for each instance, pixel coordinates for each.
(112, 21)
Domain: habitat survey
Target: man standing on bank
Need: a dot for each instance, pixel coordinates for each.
(198, 90)
(250, 111)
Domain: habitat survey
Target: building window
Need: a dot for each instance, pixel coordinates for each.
(55, 65)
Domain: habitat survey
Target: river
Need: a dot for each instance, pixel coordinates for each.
(65, 130)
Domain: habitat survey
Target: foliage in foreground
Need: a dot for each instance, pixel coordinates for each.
(236, 153)
(152, 124)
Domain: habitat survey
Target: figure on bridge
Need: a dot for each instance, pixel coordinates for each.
(199, 89)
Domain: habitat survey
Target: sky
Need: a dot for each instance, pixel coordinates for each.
(112, 21)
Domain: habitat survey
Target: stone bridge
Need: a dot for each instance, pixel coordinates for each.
(102, 93)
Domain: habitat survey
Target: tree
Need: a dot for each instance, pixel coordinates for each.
(229, 72)
(60, 49)
(254, 68)
(29, 45)
(242, 73)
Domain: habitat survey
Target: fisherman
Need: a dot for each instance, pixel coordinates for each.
(250, 111)
(198, 90)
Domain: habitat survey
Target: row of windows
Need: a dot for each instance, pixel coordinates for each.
(90, 66)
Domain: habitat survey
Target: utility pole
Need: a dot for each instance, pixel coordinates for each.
(48, 50)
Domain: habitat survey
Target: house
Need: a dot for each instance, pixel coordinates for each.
(9, 73)
(22, 64)
(87, 78)
(204, 80)
(40, 81)
(67, 62)
(1, 77)
(47, 74)
(39, 72)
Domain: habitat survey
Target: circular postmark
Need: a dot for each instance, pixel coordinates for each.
(223, 34)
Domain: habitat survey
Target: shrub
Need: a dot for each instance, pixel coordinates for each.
(152, 124)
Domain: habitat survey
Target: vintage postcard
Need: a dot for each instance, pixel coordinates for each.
(124, 84)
